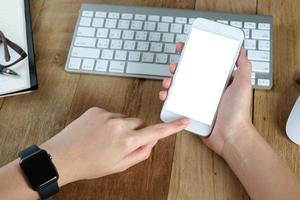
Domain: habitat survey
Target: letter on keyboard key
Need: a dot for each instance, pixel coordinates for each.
(116, 66)
(88, 64)
(86, 31)
(107, 54)
(103, 43)
(163, 27)
(98, 22)
(129, 45)
(85, 52)
(116, 44)
(74, 63)
(147, 57)
(134, 56)
(168, 37)
(259, 55)
(170, 48)
(261, 67)
(128, 35)
(123, 24)
(149, 26)
(147, 69)
(156, 47)
(102, 32)
(176, 28)
(101, 65)
(136, 25)
(110, 23)
(85, 42)
(121, 55)
(161, 58)
(261, 34)
(154, 36)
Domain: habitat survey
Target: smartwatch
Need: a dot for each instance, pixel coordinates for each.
(40, 171)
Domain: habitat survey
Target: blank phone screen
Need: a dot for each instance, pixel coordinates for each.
(201, 75)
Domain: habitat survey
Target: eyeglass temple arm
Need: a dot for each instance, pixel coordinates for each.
(6, 52)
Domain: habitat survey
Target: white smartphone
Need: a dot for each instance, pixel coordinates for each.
(202, 74)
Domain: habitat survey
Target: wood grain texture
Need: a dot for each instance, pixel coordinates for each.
(272, 108)
(197, 172)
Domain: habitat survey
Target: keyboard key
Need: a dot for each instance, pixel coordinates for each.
(87, 13)
(147, 69)
(261, 34)
(247, 33)
(101, 65)
(85, 21)
(143, 46)
(127, 16)
(264, 26)
(170, 48)
(110, 23)
(136, 25)
(116, 44)
(128, 35)
(250, 44)
(163, 27)
(74, 63)
(85, 42)
(167, 19)
(140, 17)
(236, 24)
(181, 20)
(149, 26)
(161, 58)
(85, 52)
(129, 45)
(191, 20)
(86, 31)
(153, 18)
(101, 14)
(103, 43)
(147, 57)
(253, 75)
(134, 56)
(156, 47)
(102, 32)
(117, 66)
(114, 15)
(174, 58)
(154, 36)
(176, 28)
(88, 64)
(98, 22)
(121, 55)
(250, 25)
(181, 38)
(123, 24)
(261, 67)
(264, 45)
(263, 82)
(141, 35)
(187, 28)
(259, 55)
(168, 37)
(107, 54)
(115, 34)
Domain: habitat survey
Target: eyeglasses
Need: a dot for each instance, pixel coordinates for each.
(7, 43)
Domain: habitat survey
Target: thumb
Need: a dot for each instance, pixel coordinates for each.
(243, 73)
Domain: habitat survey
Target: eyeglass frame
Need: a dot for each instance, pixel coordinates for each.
(7, 43)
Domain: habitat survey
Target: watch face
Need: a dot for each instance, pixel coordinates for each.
(39, 169)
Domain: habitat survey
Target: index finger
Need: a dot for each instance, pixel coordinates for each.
(159, 131)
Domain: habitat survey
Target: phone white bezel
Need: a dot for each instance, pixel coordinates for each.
(219, 29)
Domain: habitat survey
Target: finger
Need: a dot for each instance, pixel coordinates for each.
(179, 47)
(172, 68)
(244, 69)
(159, 131)
(137, 156)
(163, 95)
(167, 83)
(134, 123)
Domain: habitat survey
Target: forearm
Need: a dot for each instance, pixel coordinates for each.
(259, 169)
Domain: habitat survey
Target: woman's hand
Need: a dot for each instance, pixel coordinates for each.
(234, 111)
(100, 143)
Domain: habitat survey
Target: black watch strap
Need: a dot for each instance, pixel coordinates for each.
(49, 190)
(28, 151)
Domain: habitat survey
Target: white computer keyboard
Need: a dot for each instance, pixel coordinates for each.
(141, 42)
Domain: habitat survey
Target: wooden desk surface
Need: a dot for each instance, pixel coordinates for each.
(181, 167)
